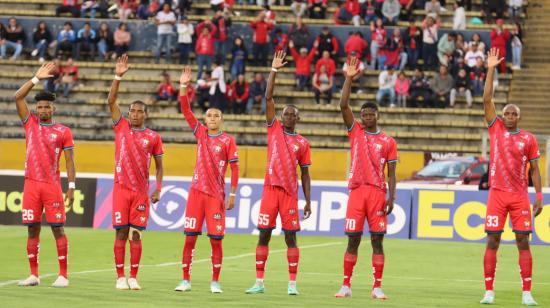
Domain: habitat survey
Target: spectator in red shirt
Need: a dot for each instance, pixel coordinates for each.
(327, 42)
(317, 8)
(204, 48)
(165, 90)
(303, 64)
(499, 38)
(270, 15)
(354, 9)
(69, 6)
(326, 61)
(357, 44)
(280, 40)
(261, 39)
(240, 93)
(407, 7)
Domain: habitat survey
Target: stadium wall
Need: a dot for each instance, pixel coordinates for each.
(428, 212)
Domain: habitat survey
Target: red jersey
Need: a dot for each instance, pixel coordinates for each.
(133, 150)
(370, 152)
(510, 154)
(261, 31)
(44, 145)
(284, 152)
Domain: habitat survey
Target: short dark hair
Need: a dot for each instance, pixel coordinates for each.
(370, 105)
(45, 96)
(138, 102)
(292, 106)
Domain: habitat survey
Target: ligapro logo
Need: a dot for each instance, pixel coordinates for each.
(169, 211)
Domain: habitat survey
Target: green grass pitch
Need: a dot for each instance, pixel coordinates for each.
(417, 273)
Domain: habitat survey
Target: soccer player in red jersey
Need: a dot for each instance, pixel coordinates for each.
(512, 149)
(371, 152)
(134, 146)
(285, 150)
(45, 141)
(215, 150)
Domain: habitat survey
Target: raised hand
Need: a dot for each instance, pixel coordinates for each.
(493, 59)
(279, 60)
(185, 77)
(45, 71)
(122, 65)
(353, 67)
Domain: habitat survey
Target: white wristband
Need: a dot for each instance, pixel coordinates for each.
(35, 80)
(274, 69)
(183, 86)
(232, 194)
(72, 185)
(117, 77)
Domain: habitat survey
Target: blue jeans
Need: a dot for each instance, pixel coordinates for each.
(477, 86)
(383, 93)
(369, 18)
(67, 89)
(184, 52)
(203, 60)
(412, 57)
(237, 68)
(303, 81)
(102, 49)
(92, 12)
(42, 47)
(250, 104)
(13, 45)
(164, 40)
(373, 54)
(516, 55)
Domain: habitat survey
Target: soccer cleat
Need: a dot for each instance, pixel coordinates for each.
(184, 286)
(345, 291)
(292, 290)
(61, 282)
(133, 284)
(488, 298)
(122, 284)
(29, 282)
(257, 288)
(527, 299)
(215, 287)
(377, 293)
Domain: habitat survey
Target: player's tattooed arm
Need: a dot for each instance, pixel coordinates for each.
(71, 175)
(391, 183)
(493, 61)
(121, 68)
(347, 113)
(278, 62)
(21, 104)
(537, 183)
(306, 187)
(155, 196)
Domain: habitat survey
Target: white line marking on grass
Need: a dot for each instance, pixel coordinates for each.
(244, 255)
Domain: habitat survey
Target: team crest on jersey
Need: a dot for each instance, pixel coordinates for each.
(382, 160)
(217, 216)
(145, 142)
(141, 207)
(217, 149)
(58, 216)
(219, 228)
(53, 137)
(527, 223)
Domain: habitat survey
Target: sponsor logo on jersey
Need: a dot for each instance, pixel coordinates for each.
(381, 224)
(58, 216)
(294, 222)
(142, 219)
(141, 207)
(217, 216)
(527, 223)
(219, 228)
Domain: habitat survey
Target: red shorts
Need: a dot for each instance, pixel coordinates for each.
(366, 201)
(275, 200)
(500, 203)
(39, 197)
(201, 206)
(130, 208)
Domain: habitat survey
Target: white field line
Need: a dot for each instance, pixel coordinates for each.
(244, 255)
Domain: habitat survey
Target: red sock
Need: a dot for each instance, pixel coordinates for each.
(33, 247)
(293, 257)
(525, 268)
(120, 255)
(188, 252)
(135, 257)
(349, 264)
(377, 270)
(62, 254)
(489, 267)
(261, 258)
(217, 256)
